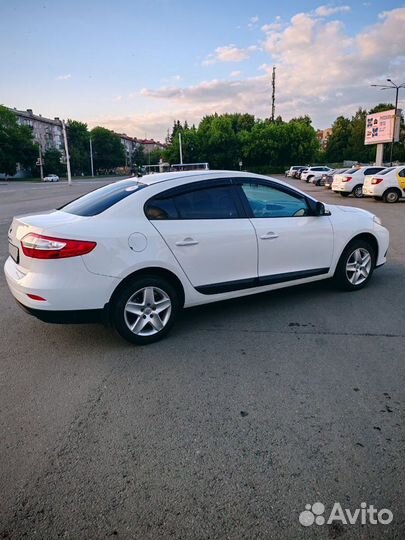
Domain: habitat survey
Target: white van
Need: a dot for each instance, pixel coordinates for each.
(388, 185)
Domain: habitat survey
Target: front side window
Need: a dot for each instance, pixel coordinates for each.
(204, 203)
(402, 173)
(269, 202)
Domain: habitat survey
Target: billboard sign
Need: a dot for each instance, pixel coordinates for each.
(380, 127)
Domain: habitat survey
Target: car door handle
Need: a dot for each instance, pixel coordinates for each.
(269, 236)
(187, 242)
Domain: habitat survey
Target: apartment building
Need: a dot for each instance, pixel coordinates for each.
(47, 131)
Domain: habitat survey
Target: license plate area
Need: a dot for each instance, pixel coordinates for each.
(14, 252)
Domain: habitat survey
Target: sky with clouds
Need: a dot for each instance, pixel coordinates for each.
(137, 65)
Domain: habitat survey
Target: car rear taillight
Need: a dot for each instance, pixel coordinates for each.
(38, 246)
(347, 179)
(376, 180)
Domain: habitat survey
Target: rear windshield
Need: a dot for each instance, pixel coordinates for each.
(103, 198)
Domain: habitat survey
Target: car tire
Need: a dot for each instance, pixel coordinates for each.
(308, 179)
(391, 196)
(344, 194)
(137, 303)
(358, 191)
(355, 253)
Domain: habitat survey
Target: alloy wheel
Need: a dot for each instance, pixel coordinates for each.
(358, 192)
(358, 266)
(391, 197)
(147, 311)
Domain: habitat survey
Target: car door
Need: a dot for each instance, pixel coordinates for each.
(204, 227)
(401, 178)
(292, 243)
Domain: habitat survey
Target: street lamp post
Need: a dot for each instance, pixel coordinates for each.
(69, 176)
(91, 157)
(391, 86)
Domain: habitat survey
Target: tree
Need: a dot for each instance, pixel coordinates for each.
(338, 142)
(357, 151)
(190, 147)
(16, 144)
(138, 155)
(276, 144)
(79, 147)
(220, 140)
(303, 119)
(108, 152)
(154, 156)
(53, 164)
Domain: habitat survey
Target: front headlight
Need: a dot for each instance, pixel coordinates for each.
(377, 220)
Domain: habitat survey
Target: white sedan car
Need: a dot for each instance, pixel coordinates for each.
(311, 172)
(388, 185)
(136, 252)
(51, 178)
(351, 182)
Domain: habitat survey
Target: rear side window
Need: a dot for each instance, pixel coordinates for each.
(103, 198)
(211, 203)
(161, 208)
(207, 203)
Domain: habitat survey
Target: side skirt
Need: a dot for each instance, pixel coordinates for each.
(250, 283)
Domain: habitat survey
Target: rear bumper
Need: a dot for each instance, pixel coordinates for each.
(373, 190)
(65, 288)
(339, 188)
(79, 316)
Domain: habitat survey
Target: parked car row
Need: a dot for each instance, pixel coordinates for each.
(382, 183)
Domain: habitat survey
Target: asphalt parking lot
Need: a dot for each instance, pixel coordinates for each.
(247, 412)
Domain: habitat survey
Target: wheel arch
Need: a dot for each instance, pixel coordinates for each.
(356, 186)
(393, 188)
(369, 237)
(156, 271)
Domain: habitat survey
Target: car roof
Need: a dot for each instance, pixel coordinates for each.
(186, 177)
(152, 179)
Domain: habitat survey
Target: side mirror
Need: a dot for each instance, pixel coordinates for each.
(321, 210)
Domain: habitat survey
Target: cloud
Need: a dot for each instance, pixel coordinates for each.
(253, 22)
(327, 11)
(235, 74)
(64, 77)
(321, 70)
(229, 53)
(271, 27)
